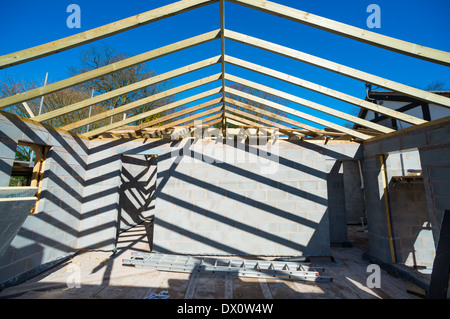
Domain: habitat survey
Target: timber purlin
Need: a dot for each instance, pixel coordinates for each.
(368, 130)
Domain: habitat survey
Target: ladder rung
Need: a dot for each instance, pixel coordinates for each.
(218, 266)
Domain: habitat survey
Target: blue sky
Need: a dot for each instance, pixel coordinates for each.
(29, 23)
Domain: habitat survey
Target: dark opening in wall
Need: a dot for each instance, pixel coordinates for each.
(28, 167)
(137, 190)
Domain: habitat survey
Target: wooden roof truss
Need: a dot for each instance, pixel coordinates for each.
(222, 108)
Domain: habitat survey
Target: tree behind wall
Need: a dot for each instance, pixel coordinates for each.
(95, 58)
(259, 94)
(90, 59)
(51, 102)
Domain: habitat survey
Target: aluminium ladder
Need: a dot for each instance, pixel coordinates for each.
(224, 266)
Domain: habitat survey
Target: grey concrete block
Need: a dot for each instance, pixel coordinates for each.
(11, 131)
(288, 227)
(225, 205)
(307, 206)
(5, 172)
(413, 141)
(276, 195)
(390, 145)
(259, 195)
(441, 188)
(297, 175)
(227, 184)
(439, 136)
(268, 227)
(371, 149)
(237, 215)
(310, 155)
(215, 174)
(252, 217)
(435, 157)
(243, 185)
(205, 204)
(439, 173)
(186, 194)
(174, 236)
(214, 236)
(287, 206)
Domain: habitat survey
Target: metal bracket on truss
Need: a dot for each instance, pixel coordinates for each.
(228, 267)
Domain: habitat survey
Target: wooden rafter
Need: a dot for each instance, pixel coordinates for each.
(241, 120)
(242, 117)
(107, 69)
(379, 40)
(126, 89)
(193, 117)
(338, 68)
(217, 120)
(179, 113)
(281, 128)
(222, 54)
(100, 32)
(237, 122)
(425, 53)
(146, 100)
(285, 129)
(277, 117)
(28, 109)
(325, 91)
(152, 112)
(207, 121)
(310, 104)
(290, 130)
(302, 115)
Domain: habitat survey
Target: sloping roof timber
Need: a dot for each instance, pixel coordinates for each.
(226, 109)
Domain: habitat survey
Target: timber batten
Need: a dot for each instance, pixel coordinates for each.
(167, 117)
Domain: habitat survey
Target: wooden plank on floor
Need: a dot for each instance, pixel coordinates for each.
(265, 288)
(356, 266)
(311, 290)
(190, 290)
(228, 287)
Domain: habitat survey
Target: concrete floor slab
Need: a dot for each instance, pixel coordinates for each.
(101, 275)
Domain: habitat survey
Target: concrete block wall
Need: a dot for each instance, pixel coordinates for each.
(343, 191)
(436, 173)
(354, 200)
(209, 206)
(204, 206)
(336, 202)
(100, 211)
(375, 209)
(432, 143)
(7, 152)
(413, 238)
(214, 199)
(53, 232)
